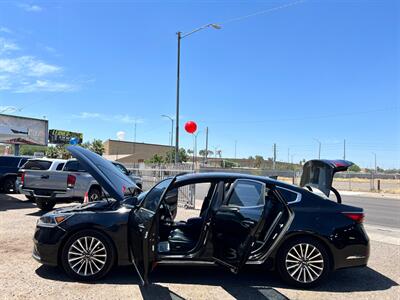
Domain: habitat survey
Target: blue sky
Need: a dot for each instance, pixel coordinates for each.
(326, 70)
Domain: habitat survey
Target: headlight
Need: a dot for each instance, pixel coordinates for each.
(52, 220)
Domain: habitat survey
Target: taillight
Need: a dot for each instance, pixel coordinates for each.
(358, 217)
(71, 179)
(22, 178)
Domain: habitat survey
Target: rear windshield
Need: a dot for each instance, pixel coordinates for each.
(9, 161)
(74, 166)
(37, 165)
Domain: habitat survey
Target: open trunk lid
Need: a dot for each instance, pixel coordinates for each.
(318, 173)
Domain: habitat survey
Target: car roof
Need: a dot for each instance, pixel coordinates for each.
(49, 159)
(212, 176)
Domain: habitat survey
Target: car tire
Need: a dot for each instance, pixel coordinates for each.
(9, 185)
(303, 262)
(94, 194)
(97, 261)
(45, 204)
(30, 198)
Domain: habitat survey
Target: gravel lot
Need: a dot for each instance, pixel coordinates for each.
(21, 277)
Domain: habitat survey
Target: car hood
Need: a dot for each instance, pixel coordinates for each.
(318, 173)
(91, 206)
(106, 174)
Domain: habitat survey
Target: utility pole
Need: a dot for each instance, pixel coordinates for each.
(181, 36)
(177, 99)
(206, 154)
(274, 159)
(375, 163)
(235, 147)
(319, 148)
(344, 149)
(134, 142)
(288, 154)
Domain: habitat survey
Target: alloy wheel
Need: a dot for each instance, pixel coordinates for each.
(87, 256)
(304, 263)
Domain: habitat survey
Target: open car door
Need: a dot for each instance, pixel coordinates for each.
(319, 174)
(143, 230)
(237, 222)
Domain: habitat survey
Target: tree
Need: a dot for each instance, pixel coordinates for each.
(354, 168)
(51, 152)
(30, 149)
(156, 159)
(182, 156)
(258, 161)
(203, 153)
(86, 145)
(97, 147)
(62, 152)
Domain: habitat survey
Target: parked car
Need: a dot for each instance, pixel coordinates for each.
(244, 220)
(69, 183)
(38, 164)
(9, 166)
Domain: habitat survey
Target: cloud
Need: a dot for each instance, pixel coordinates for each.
(28, 66)
(7, 46)
(121, 135)
(30, 7)
(5, 29)
(108, 118)
(45, 86)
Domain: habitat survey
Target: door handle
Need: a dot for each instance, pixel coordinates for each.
(247, 223)
(229, 209)
(44, 177)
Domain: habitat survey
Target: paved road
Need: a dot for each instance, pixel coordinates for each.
(379, 211)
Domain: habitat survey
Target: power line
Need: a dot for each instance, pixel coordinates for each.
(262, 12)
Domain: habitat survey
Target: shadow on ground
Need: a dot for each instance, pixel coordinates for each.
(9, 202)
(251, 283)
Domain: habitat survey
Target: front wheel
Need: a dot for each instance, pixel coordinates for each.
(9, 185)
(87, 255)
(303, 262)
(45, 204)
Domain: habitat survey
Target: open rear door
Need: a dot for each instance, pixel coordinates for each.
(319, 174)
(236, 223)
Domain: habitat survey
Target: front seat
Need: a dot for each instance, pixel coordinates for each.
(179, 241)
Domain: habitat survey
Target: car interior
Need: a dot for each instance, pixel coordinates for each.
(178, 237)
(182, 237)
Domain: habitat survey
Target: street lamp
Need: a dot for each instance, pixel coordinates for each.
(180, 36)
(319, 148)
(172, 128)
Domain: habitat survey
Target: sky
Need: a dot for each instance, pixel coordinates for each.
(305, 72)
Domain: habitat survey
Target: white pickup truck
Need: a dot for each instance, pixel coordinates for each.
(67, 183)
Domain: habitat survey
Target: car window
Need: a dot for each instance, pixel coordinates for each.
(289, 196)
(9, 161)
(22, 162)
(121, 168)
(246, 193)
(60, 167)
(37, 165)
(153, 198)
(74, 166)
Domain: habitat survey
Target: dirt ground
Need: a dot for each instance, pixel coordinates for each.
(21, 277)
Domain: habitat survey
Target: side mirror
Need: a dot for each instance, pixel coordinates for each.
(131, 201)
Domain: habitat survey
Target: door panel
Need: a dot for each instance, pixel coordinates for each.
(236, 223)
(143, 230)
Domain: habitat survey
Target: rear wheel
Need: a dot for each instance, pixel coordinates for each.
(303, 262)
(9, 185)
(45, 204)
(30, 198)
(87, 255)
(94, 194)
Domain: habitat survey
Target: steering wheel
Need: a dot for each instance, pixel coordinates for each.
(168, 213)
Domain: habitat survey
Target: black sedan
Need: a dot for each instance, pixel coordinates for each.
(243, 220)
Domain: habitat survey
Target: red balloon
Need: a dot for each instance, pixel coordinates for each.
(190, 126)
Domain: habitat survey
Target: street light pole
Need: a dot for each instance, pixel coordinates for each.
(181, 36)
(319, 148)
(172, 128)
(177, 98)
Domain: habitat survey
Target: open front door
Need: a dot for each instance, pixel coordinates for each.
(143, 230)
(237, 222)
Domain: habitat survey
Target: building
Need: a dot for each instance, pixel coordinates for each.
(130, 152)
